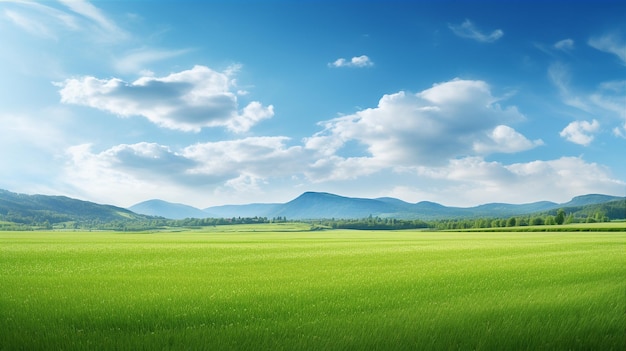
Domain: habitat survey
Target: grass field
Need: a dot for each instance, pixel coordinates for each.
(266, 288)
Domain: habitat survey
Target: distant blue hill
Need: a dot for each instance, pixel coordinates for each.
(248, 210)
(311, 205)
(169, 210)
(315, 205)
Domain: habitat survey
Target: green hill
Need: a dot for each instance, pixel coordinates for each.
(44, 209)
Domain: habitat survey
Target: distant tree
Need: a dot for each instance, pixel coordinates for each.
(511, 222)
(536, 221)
(599, 217)
(560, 217)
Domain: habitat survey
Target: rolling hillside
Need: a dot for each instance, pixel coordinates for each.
(22, 208)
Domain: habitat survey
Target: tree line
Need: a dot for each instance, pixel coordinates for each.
(376, 223)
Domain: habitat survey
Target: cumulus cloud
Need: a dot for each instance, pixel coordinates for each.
(580, 132)
(257, 156)
(472, 180)
(187, 100)
(451, 119)
(504, 139)
(358, 61)
(564, 45)
(152, 166)
(468, 30)
(610, 43)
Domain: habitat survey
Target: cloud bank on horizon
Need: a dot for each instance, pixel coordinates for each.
(119, 102)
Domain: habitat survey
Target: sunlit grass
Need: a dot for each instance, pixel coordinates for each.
(312, 290)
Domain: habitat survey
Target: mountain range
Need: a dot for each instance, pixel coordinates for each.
(315, 205)
(29, 209)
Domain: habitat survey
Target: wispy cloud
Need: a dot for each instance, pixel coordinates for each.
(357, 61)
(606, 102)
(187, 100)
(580, 132)
(39, 20)
(564, 45)
(88, 10)
(468, 30)
(620, 131)
(559, 74)
(51, 23)
(610, 43)
(138, 60)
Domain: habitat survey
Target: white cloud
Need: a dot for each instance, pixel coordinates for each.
(610, 43)
(250, 168)
(30, 25)
(138, 171)
(620, 131)
(91, 12)
(451, 119)
(259, 156)
(611, 97)
(606, 102)
(472, 180)
(187, 100)
(580, 132)
(560, 76)
(137, 60)
(505, 139)
(40, 20)
(52, 23)
(357, 61)
(564, 45)
(468, 30)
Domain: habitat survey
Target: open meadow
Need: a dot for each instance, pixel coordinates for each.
(282, 287)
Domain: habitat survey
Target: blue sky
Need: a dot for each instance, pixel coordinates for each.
(215, 102)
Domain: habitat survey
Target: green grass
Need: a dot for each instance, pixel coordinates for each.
(336, 290)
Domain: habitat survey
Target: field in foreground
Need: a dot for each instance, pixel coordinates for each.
(337, 290)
